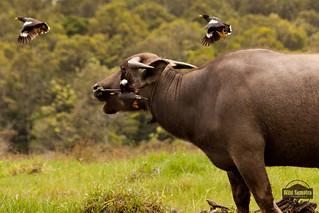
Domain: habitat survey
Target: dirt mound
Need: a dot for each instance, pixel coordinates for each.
(288, 205)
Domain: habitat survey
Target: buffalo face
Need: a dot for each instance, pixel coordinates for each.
(100, 90)
(140, 71)
(108, 91)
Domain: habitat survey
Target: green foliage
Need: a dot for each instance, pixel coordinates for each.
(153, 15)
(201, 56)
(119, 199)
(172, 40)
(75, 25)
(29, 167)
(52, 129)
(259, 36)
(114, 19)
(85, 8)
(132, 127)
(89, 39)
(269, 31)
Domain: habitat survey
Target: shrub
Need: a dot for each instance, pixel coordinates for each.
(122, 199)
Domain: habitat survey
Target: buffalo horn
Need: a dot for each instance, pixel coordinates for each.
(135, 63)
(180, 65)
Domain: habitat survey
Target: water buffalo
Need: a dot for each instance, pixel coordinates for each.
(246, 110)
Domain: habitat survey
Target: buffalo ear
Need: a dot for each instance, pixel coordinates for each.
(150, 75)
(159, 65)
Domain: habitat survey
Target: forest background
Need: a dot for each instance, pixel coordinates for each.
(46, 100)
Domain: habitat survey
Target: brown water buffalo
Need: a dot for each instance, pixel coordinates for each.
(246, 110)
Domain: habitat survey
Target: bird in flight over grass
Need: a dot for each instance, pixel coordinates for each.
(217, 29)
(31, 29)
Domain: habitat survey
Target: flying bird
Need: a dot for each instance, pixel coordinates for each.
(217, 29)
(31, 29)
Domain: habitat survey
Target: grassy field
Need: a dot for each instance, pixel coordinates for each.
(161, 180)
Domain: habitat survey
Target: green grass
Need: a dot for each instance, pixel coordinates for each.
(182, 181)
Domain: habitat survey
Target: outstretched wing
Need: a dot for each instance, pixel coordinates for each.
(215, 23)
(30, 31)
(26, 36)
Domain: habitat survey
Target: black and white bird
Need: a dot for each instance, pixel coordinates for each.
(31, 29)
(125, 88)
(217, 29)
(127, 83)
(129, 90)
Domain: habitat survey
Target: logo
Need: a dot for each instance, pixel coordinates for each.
(297, 189)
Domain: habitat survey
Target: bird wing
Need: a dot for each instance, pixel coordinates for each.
(30, 31)
(214, 24)
(33, 21)
(26, 36)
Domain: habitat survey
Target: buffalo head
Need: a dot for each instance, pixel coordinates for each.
(141, 72)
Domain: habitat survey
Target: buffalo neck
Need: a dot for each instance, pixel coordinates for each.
(177, 101)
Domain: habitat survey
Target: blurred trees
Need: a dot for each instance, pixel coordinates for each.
(52, 128)
(46, 95)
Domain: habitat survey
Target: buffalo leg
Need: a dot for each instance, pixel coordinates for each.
(257, 181)
(254, 174)
(248, 152)
(241, 193)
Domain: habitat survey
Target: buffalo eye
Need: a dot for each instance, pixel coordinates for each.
(123, 69)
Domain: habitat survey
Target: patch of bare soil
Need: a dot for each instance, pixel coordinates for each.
(288, 205)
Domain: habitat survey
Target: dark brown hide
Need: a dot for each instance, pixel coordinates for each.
(246, 110)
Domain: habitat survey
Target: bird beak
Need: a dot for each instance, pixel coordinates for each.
(200, 16)
(16, 18)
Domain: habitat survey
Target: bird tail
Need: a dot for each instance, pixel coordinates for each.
(206, 41)
(23, 40)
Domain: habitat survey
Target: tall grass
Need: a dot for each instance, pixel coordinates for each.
(156, 182)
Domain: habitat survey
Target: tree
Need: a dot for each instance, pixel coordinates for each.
(262, 37)
(52, 129)
(293, 37)
(46, 95)
(171, 40)
(75, 25)
(114, 19)
(153, 15)
(121, 27)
